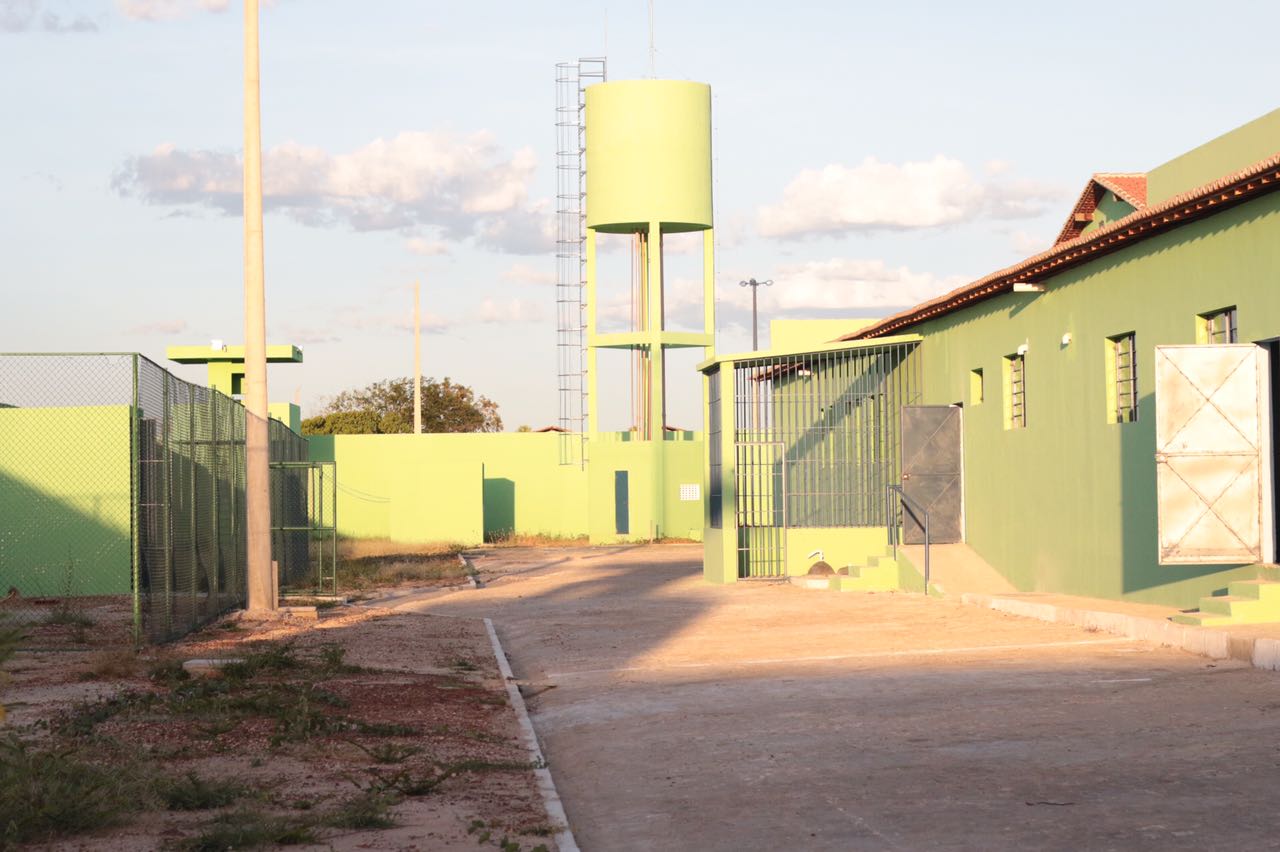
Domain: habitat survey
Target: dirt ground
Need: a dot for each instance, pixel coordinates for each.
(406, 698)
(679, 715)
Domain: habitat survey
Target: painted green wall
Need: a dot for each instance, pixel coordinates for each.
(799, 333)
(840, 546)
(407, 488)
(1109, 209)
(464, 487)
(65, 500)
(1068, 504)
(1217, 158)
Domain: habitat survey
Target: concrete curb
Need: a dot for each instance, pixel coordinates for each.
(1262, 653)
(546, 785)
(471, 571)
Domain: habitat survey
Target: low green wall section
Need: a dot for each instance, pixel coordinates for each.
(65, 501)
(467, 488)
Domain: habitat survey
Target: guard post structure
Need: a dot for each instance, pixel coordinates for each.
(648, 174)
(225, 365)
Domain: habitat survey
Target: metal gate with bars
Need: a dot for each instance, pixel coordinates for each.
(816, 442)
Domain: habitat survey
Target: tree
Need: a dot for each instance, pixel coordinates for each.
(386, 408)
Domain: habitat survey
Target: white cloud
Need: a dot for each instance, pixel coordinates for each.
(843, 284)
(426, 248)
(883, 196)
(19, 16)
(1026, 244)
(509, 311)
(167, 10)
(456, 185)
(524, 273)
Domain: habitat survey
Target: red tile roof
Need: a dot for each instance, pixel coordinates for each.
(1247, 184)
(1131, 188)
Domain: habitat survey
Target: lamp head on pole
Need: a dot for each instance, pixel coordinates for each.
(754, 283)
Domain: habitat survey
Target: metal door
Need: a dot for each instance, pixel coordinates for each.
(1213, 454)
(761, 511)
(932, 472)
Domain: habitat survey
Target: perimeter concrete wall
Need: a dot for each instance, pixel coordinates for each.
(65, 501)
(468, 488)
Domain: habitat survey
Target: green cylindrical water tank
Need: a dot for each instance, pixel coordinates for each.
(648, 155)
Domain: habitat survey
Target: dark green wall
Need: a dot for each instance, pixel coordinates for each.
(1068, 504)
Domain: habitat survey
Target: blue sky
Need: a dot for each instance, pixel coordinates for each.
(868, 156)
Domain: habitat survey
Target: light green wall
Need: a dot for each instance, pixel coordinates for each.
(1109, 209)
(65, 500)
(1068, 504)
(408, 488)
(462, 487)
(681, 463)
(1217, 158)
(799, 333)
(287, 413)
(840, 546)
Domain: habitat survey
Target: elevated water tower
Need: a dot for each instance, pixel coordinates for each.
(648, 174)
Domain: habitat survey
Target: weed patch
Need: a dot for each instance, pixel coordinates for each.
(248, 828)
(50, 793)
(190, 792)
(369, 809)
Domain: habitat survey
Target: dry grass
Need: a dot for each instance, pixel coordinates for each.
(519, 539)
(367, 548)
(114, 664)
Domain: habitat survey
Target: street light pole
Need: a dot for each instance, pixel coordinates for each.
(755, 285)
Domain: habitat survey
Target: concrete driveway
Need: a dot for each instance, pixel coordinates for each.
(681, 716)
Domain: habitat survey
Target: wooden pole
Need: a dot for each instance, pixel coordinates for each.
(417, 360)
(261, 585)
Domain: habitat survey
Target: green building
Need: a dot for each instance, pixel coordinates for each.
(1094, 420)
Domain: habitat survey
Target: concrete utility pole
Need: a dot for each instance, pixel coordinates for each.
(261, 583)
(417, 361)
(755, 330)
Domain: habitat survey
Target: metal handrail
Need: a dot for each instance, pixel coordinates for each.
(891, 518)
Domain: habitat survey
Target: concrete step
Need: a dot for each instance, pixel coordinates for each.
(1204, 619)
(1266, 590)
(880, 576)
(1228, 604)
(1250, 602)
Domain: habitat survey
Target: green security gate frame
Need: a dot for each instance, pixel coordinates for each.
(322, 482)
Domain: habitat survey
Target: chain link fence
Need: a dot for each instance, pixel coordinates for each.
(122, 493)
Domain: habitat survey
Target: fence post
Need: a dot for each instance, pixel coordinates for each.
(215, 585)
(167, 470)
(194, 491)
(135, 500)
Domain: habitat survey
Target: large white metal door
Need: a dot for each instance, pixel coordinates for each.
(1213, 454)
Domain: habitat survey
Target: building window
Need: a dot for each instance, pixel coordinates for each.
(1122, 378)
(1217, 326)
(975, 386)
(1015, 375)
(714, 429)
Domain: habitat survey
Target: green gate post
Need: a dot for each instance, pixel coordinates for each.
(135, 509)
(168, 512)
(215, 589)
(194, 493)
